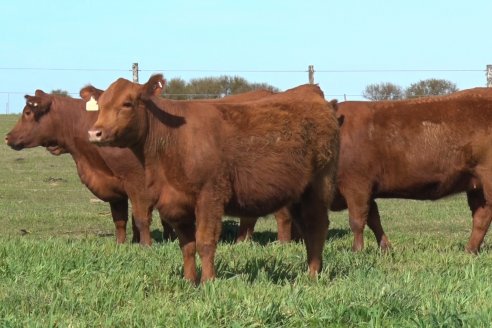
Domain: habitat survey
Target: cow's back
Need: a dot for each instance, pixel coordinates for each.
(422, 149)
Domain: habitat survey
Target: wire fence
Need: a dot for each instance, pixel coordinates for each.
(321, 72)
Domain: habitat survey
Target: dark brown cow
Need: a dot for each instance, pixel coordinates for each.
(417, 149)
(112, 174)
(248, 159)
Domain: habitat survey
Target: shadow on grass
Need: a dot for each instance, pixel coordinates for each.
(157, 236)
(274, 270)
(230, 229)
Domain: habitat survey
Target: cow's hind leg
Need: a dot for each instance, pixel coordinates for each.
(374, 223)
(284, 225)
(136, 233)
(246, 228)
(186, 236)
(482, 216)
(119, 213)
(142, 218)
(358, 210)
(168, 233)
(311, 218)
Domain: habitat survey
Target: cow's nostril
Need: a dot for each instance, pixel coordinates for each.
(95, 135)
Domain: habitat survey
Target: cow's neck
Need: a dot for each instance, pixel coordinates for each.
(155, 151)
(73, 123)
(159, 142)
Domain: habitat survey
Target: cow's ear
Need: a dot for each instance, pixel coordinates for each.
(90, 91)
(40, 93)
(40, 103)
(334, 104)
(153, 87)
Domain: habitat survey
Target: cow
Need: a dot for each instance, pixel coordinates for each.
(246, 159)
(58, 123)
(423, 149)
(112, 174)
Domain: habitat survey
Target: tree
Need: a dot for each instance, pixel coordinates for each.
(383, 91)
(430, 87)
(60, 92)
(176, 89)
(210, 87)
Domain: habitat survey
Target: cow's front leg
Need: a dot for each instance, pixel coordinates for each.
(208, 227)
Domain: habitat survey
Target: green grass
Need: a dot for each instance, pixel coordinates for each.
(60, 266)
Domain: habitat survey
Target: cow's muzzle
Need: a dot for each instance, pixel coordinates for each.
(14, 145)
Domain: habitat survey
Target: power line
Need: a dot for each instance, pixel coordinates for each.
(399, 70)
(197, 70)
(64, 69)
(223, 70)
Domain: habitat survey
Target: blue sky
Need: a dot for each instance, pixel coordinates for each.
(191, 39)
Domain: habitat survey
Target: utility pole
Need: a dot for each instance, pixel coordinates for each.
(135, 72)
(311, 74)
(489, 76)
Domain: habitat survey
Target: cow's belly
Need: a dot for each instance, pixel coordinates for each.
(257, 209)
(261, 201)
(432, 188)
(175, 205)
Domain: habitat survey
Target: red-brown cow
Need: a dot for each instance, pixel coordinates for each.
(427, 148)
(249, 159)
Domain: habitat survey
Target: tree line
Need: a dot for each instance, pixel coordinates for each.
(423, 88)
(211, 87)
(217, 87)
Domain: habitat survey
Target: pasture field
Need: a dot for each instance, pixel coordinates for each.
(60, 266)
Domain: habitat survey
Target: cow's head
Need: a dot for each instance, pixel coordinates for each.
(34, 127)
(121, 121)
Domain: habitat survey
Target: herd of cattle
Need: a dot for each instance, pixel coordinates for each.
(290, 153)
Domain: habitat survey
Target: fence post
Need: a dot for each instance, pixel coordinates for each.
(311, 74)
(135, 72)
(7, 105)
(489, 76)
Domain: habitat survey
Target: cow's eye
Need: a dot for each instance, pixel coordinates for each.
(127, 104)
(27, 112)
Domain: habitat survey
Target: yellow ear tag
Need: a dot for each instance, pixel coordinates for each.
(91, 105)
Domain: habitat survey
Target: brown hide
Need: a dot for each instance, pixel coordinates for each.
(427, 148)
(206, 159)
